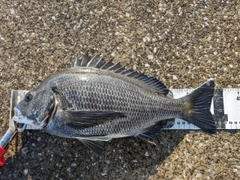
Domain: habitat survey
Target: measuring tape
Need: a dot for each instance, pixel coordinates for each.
(225, 108)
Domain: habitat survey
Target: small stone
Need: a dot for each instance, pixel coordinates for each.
(113, 54)
(74, 164)
(198, 175)
(65, 143)
(235, 170)
(104, 174)
(25, 171)
(147, 65)
(146, 154)
(150, 56)
(107, 162)
(32, 154)
(146, 39)
(69, 169)
(24, 151)
(12, 11)
(155, 50)
(175, 77)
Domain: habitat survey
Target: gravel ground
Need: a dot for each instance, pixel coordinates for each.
(182, 43)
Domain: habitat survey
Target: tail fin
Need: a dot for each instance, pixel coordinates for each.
(196, 107)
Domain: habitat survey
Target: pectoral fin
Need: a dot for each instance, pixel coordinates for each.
(89, 118)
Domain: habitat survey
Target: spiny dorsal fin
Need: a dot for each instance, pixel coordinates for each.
(85, 60)
(98, 62)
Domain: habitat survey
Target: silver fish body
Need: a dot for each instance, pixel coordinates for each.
(96, 101)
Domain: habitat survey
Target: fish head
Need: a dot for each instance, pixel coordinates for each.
(37, 108)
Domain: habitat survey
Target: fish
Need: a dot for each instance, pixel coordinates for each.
(96, 100)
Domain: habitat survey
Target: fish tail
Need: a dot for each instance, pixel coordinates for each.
(196, 107)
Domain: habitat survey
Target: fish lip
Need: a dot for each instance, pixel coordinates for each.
(17, 112)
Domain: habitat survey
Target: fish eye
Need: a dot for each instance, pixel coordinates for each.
(28, 97)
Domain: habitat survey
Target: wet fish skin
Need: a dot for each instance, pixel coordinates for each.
(96, 101)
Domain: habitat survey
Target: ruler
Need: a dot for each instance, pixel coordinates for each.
(225, 108)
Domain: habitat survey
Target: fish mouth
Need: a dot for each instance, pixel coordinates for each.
(19, 118)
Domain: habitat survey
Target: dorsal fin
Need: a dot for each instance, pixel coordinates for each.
(98, 62)
(85, 59)
(93, 61)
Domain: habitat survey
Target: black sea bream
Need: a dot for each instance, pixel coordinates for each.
(96, 101)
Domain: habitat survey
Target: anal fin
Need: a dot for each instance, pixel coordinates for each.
(146, 138)
(150, 133)
(95, 146)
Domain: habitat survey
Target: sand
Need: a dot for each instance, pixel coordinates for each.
(182, 43)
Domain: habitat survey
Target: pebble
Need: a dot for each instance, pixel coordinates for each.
(74, 164)
(113, 54)
(12, 11)
(150, 56)
(25, 171)
(24, 151)
(104, 174)
(146, 154)
(175, 77)
(147, 65)
(107, 162)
